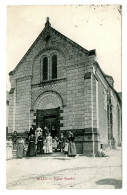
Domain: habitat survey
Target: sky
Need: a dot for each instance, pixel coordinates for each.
(91, 26)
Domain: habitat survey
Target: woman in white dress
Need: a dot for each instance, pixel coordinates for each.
(55, 143)
(9, 147)
(44, 147)
(48, 143)
(66, 147)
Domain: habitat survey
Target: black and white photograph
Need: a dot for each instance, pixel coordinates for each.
(64, 97)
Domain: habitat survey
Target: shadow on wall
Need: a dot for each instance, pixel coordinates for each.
(108, 181)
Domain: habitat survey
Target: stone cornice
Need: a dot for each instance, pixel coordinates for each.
(23, 78)
(49, 82)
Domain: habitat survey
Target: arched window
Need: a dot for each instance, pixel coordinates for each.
(45, 68)
(54, 66)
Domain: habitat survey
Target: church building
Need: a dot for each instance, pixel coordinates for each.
(60, 84)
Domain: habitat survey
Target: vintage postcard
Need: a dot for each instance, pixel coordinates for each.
(64, 98)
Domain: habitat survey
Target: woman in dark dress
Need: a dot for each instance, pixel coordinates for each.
(14, 139)
(40, 145)
(32, 130)
(71, 147)
(31, 146)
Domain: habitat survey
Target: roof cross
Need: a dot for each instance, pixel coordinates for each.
(47, 24)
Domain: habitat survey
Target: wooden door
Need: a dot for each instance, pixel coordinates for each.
(39, 119)
(50, 121)
(49, 117)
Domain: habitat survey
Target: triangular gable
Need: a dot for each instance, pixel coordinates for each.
(49, 28)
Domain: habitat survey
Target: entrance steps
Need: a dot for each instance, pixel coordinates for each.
(54, 154)
(14, 153)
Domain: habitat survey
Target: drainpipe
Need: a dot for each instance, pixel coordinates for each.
(30, 102)
(92, 111)
(14, 107)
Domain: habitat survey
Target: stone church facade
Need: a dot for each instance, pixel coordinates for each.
(58, 83)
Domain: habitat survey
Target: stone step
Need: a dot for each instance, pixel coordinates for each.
(14, 153)
(54, 154)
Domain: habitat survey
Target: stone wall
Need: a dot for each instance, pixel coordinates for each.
(11, 113)
(103, 123)
(116, 114)
(23, 105)
(77, 113)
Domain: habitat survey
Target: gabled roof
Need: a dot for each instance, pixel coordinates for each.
(104, 75)
(49, 28)
(74, 44)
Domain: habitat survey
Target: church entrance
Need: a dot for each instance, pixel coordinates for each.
(50, 121)
(49, 118)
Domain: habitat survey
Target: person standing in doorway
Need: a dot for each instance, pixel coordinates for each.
(53, 132)
(46, 130)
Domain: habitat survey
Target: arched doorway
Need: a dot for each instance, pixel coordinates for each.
(47, 108)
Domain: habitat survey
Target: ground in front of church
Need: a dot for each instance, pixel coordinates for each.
(65, 172)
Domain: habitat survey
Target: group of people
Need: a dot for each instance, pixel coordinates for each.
(41, 141)
(19, 146)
